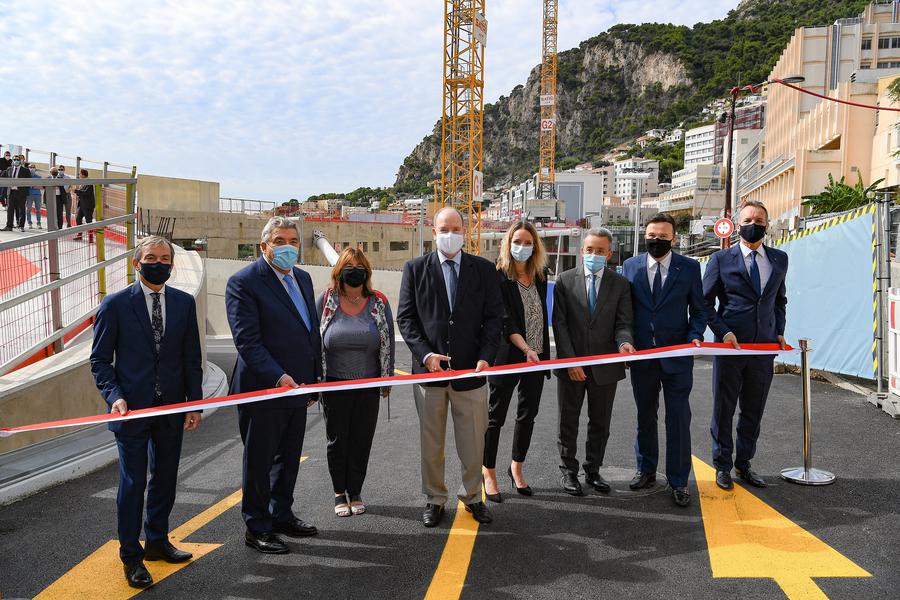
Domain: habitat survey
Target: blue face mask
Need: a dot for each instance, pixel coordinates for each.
(520, 253)
(593, 262)
(284, 257)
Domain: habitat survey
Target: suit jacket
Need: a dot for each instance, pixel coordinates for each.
(124, 361)
(269, 333)
(579, 332)
(679, 315)
(514, 322)
(468, 334)
(23, 172)
(752, 317)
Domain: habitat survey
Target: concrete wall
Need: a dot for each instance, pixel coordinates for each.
(169, 193)
(61, 386)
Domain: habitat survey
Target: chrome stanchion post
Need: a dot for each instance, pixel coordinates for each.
(806, 475)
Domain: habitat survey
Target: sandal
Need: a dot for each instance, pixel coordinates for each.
(356, 505)
(341, 508)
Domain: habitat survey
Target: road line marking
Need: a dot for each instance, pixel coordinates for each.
(747, 538)
(100, 575)
(399, 372)
(450, 575)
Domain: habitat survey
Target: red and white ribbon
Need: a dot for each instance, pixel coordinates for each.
(705, 349)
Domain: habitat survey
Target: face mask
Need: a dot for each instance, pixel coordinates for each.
(593, 262)
(353, 276)
(156, 273)
(521, 253)
(657, 247)
(284, 257)
(449, 243)
(17, 163)
(753, 232)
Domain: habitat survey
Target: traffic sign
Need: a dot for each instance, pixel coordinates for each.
(724, 228)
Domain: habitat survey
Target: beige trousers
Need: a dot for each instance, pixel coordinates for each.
(470, 420)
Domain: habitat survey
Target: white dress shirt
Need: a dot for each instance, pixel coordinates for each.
(587, 281)
(762, 261)
(653, 265)
(457, 260)
(149, 300)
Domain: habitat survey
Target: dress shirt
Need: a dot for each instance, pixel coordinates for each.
(457, 259)
(663, 264)
(762, 261)
(149, 300)
(587, 280)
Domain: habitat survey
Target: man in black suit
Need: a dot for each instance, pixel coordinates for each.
(15, 210)
(591, 315)
(5, 163)
(451, 316)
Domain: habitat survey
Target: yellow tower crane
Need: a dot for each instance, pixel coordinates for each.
(546, 187)
(462, 120)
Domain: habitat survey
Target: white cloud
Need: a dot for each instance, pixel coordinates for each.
(275, 99)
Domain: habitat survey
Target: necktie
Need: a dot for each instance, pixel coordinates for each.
(156, 322)
(754, 273)
(297, 299)
(453, 280)
(657, 283)
(592, 294)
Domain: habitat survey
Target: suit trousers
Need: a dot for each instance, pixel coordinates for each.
(647, 378)
(470, 418)
(15, 209)
(159, 448)
(273, 440)
(64, 202)
(570, 395)
(530, 387)
(350, 420)
(743, 382)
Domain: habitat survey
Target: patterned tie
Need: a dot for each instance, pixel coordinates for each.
(297, 299)
(755, 279)
(657, 283)
(156, 322)
(592, 296)
(454, 280)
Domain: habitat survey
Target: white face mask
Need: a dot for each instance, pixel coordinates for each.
(449, 243)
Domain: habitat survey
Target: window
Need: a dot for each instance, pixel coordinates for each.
(884, 43)
(375, 246)
(246, 251)
(399, 246)
(895, 42)
(365, 246)
(867, 44)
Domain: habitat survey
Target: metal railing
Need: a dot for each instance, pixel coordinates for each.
(51, 284)
(245, 205)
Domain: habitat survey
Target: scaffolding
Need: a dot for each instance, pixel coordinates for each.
(546, 187)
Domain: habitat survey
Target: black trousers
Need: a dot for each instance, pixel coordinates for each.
(743, 382)
(15, 210)
(599, 404)
(273, 440)
(85, 211)
(159, 450)
(530, 387)
(64, 202)
(350, 420)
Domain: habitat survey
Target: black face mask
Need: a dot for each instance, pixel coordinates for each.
(353, 276)
(156, 273)
(753, 232)
(657, 247)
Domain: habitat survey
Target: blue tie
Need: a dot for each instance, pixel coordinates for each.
(754, 273)
(452, 281)
(657, 283)
(592, 296)
(294, 293)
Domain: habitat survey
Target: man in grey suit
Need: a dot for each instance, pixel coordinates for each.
(591, 315)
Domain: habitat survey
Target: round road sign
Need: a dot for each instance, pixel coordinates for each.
(724, 228)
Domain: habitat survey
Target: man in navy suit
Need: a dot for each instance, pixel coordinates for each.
(667, 296)
(748, 282)
(271, 311)
(146, 353)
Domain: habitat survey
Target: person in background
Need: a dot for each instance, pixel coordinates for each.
(63, 197)
(5, 163)
(592, 314)
(525, 338)
(33, 201)
(747, 280)
(357, 331)
(146, 352)
(15, 210)
(86, 205)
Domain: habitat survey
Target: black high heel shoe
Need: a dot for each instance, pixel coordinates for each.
(492, 497)
(525, 491)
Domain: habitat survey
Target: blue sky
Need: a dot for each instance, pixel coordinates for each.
(272, 99)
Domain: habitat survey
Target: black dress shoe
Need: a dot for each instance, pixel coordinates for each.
(492, 497)
(750, 477)
(6, 229)
(165, 551)
(137, 575)
(267, 543)
(432, 515)
(480, 512)
(723, 480)
(681, 496)
(525, 491)
(294, 528)
(570, 483)
(598, 483)
(642, 480)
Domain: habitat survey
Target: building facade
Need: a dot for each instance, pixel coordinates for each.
(700, 145)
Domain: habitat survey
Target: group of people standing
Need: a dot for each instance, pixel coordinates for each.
(456, 311)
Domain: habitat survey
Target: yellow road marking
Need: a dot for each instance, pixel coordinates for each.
(399, 372)
(450, 575)
(100, 575)
(747, 538)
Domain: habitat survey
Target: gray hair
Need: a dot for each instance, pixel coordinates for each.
(600, 232)
(756, 204)
(149, 242)
(278, 223)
